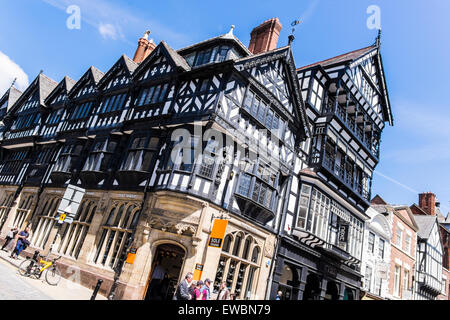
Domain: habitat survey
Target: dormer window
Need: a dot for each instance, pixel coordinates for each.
(211, 55)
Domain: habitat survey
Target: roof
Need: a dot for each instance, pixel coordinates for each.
(177, 59)
(11, 95)
(44, 85)
(350, 56)
(66, 83)
(97, 74)
(227, 36)
(425, 224)
(129, 63)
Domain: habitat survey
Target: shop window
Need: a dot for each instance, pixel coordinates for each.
(73, 235)
(23, 210)
(235, 268)
(115, 232)
(46, 220)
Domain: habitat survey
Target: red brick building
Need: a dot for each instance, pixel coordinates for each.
(403, 249)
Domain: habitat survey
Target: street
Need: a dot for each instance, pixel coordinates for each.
(15, 287)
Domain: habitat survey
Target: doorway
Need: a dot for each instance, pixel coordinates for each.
(165, 274)
(332, 292)
(312, 288)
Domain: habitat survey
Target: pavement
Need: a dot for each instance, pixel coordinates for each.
(13, 286)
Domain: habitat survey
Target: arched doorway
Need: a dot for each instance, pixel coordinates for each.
(166, 267)
(289, 283)
(332, 292)
(349, 294)
(312, 288)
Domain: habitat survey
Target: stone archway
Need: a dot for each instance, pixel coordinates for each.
(167, 264)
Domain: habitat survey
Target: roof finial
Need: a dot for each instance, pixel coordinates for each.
(230, 33)
(146, 34)
(378, 40)
(13, 83)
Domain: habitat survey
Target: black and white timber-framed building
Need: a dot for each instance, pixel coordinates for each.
(320, 249)
(126, 136)
(171, 140)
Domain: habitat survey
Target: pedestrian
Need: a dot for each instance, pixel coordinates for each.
(196, 293)
(22, 243)
(224, 293)
(279, 295)
(10, 237)
(206, 294)
(182, 292)
(156, 279)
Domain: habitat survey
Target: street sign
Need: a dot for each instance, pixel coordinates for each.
(70, 203)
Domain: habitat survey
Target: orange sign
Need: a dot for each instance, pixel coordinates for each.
(218, 233)
(131, 256)
(198, 272)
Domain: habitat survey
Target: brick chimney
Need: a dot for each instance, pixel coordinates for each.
(265, 36)
(427, 202)
(145, 47)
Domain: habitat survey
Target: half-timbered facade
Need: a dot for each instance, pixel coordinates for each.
(164, 146)
(428, 277)
(347, 105)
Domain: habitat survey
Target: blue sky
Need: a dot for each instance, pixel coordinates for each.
(415, 154)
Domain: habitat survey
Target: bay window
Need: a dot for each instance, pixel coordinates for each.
(140, 154)
(100, 155)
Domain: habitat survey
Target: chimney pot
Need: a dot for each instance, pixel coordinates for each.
(265, 37)
(145, 47)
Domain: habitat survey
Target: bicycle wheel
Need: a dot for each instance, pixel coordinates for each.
(26, 267)
(53, 276)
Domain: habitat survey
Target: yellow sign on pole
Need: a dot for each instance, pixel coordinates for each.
(218, 233)
(62, 217)
(198, 272)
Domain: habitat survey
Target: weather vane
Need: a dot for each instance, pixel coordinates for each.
(293, 24)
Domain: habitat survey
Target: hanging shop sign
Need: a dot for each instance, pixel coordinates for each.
(343, 233)
(131, 256)
(218, 233)
(198, 272)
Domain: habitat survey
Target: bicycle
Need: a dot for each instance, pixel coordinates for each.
(36, 267)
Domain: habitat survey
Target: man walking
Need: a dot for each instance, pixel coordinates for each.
(10, 237)
(182, 292)
(224, 293)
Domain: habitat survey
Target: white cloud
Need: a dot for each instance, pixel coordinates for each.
(9, 70)
(110, 19)
(107, 31)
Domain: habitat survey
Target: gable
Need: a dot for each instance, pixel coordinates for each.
(275, 71)
(406, 217)
(85, 86)
(119, 75)
(162, 61)
(31, 102)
